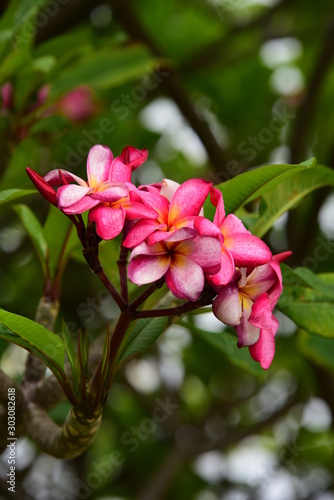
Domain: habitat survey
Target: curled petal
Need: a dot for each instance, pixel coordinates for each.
(156, 201)
(70, 194)
(185, 278)
(147, 269)
(98, 165)
(261, 315)
(232, 224)
(263, 350)
(109, 221)
(207, 228)
(227, 305)
(138, 211)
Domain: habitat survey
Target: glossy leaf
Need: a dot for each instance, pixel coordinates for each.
(33, 337)
(70, 350)
(288, 194)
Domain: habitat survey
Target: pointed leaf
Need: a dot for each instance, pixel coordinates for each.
(70, 350)
(13, 194)
(35, 232)
(252, 184)
(34, 337)
(289, 193)
(142, 334)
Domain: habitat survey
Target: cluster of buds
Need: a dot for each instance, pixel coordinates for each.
(164, 228)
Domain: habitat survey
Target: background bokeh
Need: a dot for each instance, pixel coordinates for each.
(212, 88)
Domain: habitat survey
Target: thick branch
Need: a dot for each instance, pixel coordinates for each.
(68, 441)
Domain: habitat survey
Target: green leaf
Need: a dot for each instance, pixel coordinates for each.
(318, 349)
(13, 194)
(33, 337)
(104, 69)
(142, 334)
(288, 194)
(34, 229)
(308, 300)
(250, 185)
(226, 342)
(61, 239)
(70, 350)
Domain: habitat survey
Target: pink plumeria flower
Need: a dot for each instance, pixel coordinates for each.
(182, 258)
(238, 246)
(247, 303)
(77, 105)
(177, 207)
(77, 198)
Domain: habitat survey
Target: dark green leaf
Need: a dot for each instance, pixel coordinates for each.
(70, 350)
(318, 349)
(142, 334)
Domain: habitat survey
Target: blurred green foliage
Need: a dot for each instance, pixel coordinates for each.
(212, 88)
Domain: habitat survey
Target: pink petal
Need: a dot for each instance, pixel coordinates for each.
(119, 172)
(232, 224)
(248, 334)
(227, 268)
(188, 200)
(86, 203)
(247, 250)
(216, 198)
(112, 193)
(53, 178)
(70, 194)
(275, 292)
(279, 257)
(227, 306)
(204, 250)
(156, 201)
(154, 250)
(98, 165)
(168, 188)
(140, 231)
(139, 210)
(133, 157)
(109, 221)
(147, 269)
(263, 350)
(261, 315)
(185, 278)
(207, 228)
(43, 187)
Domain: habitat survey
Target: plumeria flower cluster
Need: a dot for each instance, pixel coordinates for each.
(164, 228)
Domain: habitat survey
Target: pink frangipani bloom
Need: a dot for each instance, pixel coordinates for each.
(75, 199)
(238, 246)
(177, 207)
(247, 303)
(77, 105)
(182, 258)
